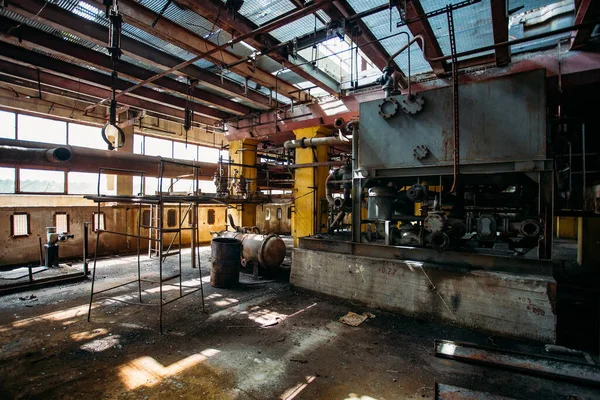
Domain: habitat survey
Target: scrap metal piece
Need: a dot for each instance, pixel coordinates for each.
(412, 104)
(528, 363)
(449, 392)
(388, 108)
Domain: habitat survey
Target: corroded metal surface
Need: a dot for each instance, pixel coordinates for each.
(502, 120)
(225, 255)
(527, 363)
(449, 392)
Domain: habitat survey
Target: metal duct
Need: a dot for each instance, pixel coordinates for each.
(313, 142)
(25, 154)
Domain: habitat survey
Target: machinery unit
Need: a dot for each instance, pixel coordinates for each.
(494, 196)
(51, 247)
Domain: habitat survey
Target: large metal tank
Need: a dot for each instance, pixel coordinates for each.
(226, 260)
(266, 250)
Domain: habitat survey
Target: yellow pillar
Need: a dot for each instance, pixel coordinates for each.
(244, 152)
(309, 186)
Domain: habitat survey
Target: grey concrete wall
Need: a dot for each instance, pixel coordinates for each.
(509, 305)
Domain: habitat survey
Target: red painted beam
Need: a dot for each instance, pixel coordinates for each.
(587, 11)
(82, 55)
(63, 84)
(63, 20)
(422, 27)
(97, 78)
(236, 24)
(500, 26)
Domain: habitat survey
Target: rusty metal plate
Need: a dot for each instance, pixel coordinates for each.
(449, 392)
(501, 120)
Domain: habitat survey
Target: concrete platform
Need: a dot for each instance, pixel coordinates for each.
(507, 304)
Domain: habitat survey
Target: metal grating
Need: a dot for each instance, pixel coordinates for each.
(297, 28)
(472, 26)
(379, 25)
(528, 4)
(262, 11)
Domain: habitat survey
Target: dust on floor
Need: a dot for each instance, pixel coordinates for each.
(259, 341)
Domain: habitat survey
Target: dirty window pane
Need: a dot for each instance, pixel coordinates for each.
(7, 180)
(19, 224)
(208, 154)
(86, 136)
(42, 130)
(39, 181)
(158, 147)
(210, 217)
(7, 125)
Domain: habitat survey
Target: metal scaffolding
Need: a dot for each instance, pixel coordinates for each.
(157, 241)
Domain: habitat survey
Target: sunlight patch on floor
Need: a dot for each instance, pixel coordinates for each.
(146, 371)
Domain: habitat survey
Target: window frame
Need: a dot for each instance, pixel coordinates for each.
(12, 224)
(66, 214)
(279, 214)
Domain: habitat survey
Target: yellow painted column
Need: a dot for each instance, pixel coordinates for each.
(309, 185)
(244, 152)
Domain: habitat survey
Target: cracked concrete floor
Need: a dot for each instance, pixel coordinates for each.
(257, 341)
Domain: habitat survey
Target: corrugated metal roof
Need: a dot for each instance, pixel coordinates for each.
(528, 4)
(263, 11)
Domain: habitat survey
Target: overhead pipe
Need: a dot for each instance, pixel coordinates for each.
(313, 142)
(25, 154)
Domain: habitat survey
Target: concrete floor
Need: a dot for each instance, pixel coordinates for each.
(258, 341)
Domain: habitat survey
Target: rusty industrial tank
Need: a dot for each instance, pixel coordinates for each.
(266, 250)
(225, 256)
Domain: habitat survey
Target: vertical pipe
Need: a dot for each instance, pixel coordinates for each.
(85, 249)
(95, 261)
(179, 250)
(41, 251)
(139, 244)
(356, 189)
(583, 162)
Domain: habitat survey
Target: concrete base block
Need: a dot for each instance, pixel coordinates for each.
(513, 305)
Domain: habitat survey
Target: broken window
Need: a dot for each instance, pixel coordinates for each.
(279, 213)
(267, 214)
(19, 225)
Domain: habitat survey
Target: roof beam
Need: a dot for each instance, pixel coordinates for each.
(421, 26)
(63, 20)
(237, 24)
(70, 70)
(78, 54)
(500, 27)
(143, 18)
(587, 11)
(63, 83)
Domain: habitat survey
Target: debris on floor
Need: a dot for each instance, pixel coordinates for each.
(354, 319)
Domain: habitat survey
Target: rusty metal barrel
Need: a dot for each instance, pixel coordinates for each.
(226, 255)
(266, 250)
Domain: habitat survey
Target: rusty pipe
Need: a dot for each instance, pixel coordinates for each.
(313, 142)
(25, 154)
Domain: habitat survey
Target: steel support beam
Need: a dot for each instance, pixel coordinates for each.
(21, 75)
(79, 54)
(422, 27)
(236, 24)
(587, 11)
(143, 18)
(63, 20)
(500, 27)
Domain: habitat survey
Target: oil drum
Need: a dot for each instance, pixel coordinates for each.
(226, 254)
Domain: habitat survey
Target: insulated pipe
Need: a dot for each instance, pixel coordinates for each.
(24, 154)
(313, 142)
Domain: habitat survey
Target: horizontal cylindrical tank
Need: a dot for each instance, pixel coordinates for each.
(266, 250)
(226, 259)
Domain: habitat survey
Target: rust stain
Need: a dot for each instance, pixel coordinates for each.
(534, 309)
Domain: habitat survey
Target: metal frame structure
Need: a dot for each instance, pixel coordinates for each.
(160, 202)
